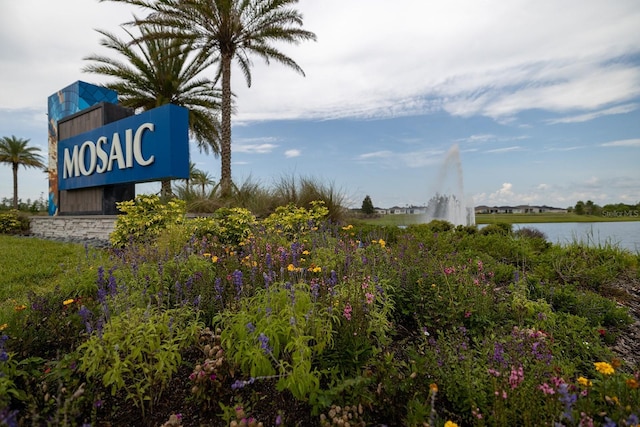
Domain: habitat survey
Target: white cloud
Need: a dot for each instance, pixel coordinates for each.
(394, 160)
(505, 149)
(292, 153)
(383, 154)
(493, 59)
(620, 109)
(623, 143)
(254, 148)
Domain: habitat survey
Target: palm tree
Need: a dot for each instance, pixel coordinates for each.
(15, 151)
(202, 178)
(234, 30)
(160, 71)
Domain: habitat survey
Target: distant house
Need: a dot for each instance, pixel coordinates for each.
(521, 209)
(407, 210)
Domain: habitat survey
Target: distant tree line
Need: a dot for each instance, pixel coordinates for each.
(616, 209)
(39, 205)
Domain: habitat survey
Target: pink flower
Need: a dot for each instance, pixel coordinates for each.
(546, 388)
(494, 372)
(516, 377)
(369, 297)
(347, 311)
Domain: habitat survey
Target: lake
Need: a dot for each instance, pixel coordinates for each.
(623, 234)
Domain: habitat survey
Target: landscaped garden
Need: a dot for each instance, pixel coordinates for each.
(293, 319)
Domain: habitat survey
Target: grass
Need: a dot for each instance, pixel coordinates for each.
(408, 219)
(39, 266)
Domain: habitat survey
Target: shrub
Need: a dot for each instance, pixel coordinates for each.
(13, 222)
(144, 218)
(276, 333)
(139, 351)
(293, 221)
(501, 228)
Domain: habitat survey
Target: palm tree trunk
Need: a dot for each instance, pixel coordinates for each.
(165, 191)
(15, 185)
(225, 145)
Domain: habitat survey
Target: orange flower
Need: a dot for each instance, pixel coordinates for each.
(433, 387)
(20, 307)
(632, 383)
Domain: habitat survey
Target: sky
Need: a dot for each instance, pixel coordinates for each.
(519, 102)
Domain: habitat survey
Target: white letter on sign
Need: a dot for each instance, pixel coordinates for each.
(92, 158)
(116, 153)
(137, 145)
(70, 164)
(102, 155)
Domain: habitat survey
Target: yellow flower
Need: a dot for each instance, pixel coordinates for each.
(305, 252)
(68, 301)
(382, 243)
(612, 400)
(214, 259)
(290, 267)
(450, 424)
(20, 307)
(604, 368)
(348, 227)
(3, 326)
(206, 254)
(584, 382)
(433, 387)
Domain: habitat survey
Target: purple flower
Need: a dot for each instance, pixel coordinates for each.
(568, 399)
(250, 327)
(238, 384)
(264, 343)
(333, 280)
(217, 285)
(237, 282)
(9, 418)
(112, 283)
(268, 261)
(86, 315)
(498, 353)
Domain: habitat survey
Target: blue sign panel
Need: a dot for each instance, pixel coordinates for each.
(150, 146)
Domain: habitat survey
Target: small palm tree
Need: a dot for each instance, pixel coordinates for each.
(232, 30)
(202, 178)
(160, 71)
(15, 152)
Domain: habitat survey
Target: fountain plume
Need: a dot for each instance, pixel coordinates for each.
(449, 202)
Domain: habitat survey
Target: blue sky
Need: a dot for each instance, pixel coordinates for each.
(541, 98)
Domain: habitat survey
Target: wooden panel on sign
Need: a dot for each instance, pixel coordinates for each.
(95, 200)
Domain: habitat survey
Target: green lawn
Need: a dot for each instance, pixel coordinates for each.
(40, 266)
(407, 219)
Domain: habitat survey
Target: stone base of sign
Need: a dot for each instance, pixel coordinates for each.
(85, 228)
